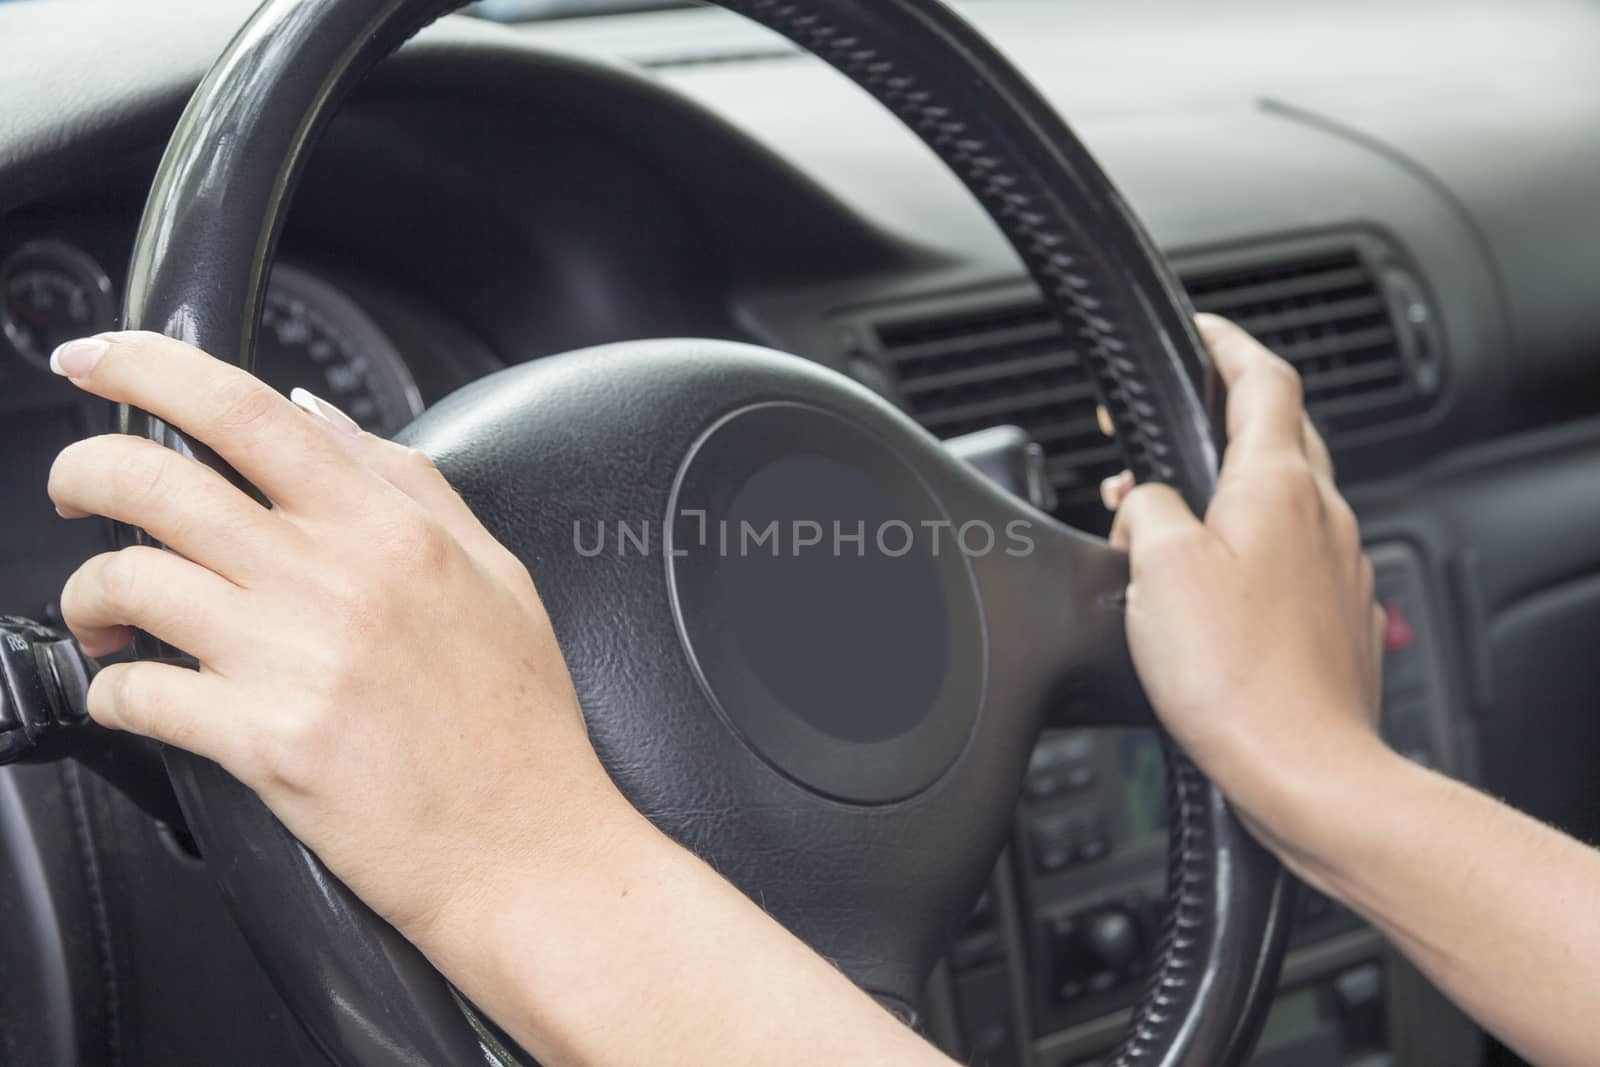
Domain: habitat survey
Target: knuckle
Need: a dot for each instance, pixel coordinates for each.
(351, 601)
(241, 402)
(121, 575)
(361, 604)
(1283, 376)
(1291, 479)
(1367, 578)
(1342, 520)
(1144, 498)
(141, 476)
(513, 571)
(288, 755)
(1170, 546)
(417, 540)
(418, 462)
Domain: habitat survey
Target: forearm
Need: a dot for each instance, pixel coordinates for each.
(1500, 911)
(654, 958)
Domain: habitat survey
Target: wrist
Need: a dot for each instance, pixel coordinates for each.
(544, 942)
(1322, 810)
(535, 851)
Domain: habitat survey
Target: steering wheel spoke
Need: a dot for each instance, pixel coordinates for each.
(1097, 684)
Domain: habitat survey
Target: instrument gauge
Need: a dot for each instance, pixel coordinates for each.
(314, 336)
(51, 292)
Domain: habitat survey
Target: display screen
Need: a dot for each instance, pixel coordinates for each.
(38, 548)
(1143, 783)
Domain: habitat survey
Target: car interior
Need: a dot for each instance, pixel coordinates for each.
(1400, 197)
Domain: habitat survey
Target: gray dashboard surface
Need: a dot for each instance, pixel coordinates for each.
(1463, 127)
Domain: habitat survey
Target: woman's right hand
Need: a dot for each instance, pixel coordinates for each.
(1255, 631)
(1258, 641)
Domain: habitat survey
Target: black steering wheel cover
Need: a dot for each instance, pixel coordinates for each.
(199, 271)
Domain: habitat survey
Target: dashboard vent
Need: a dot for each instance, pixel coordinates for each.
(1008, 361)
(1331, 317)
(1005, 365)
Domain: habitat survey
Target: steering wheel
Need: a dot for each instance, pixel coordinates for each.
(840, 728)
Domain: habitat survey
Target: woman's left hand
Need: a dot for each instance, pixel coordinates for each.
(372, 662)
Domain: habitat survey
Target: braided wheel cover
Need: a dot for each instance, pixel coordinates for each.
(1228, 902)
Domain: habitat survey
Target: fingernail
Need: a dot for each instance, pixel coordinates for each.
(76, 359)
(1103, 417)
(309, 401)
(1114, 488)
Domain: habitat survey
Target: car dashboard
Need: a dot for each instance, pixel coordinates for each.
(1412, 221)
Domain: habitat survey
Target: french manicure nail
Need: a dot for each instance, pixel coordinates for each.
(309, 401)
(76, 359)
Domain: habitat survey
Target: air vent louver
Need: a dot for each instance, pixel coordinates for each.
(1010, 362)
(1327, 316)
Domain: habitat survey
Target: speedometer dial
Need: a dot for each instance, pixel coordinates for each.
(49, 293)
(315, 337)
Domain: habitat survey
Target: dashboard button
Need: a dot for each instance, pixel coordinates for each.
(1064, 838)
(1060, 763)
(1113, 936)
(1052, 859)
(1397, 632)
(1079, 776)
(1093, 849)
(1095, 952)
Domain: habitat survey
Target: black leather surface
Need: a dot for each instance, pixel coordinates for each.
(876, 891)
(60, 997)
(598, 436)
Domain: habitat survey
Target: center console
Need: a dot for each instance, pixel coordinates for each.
(1057, 951)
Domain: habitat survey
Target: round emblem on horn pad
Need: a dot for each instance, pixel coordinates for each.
(823, 598)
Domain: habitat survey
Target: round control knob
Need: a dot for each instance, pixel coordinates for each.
(1114, 938)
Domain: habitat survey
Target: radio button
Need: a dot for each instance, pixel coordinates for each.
(1064, 838)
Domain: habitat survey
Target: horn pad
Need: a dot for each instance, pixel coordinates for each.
(826, 602)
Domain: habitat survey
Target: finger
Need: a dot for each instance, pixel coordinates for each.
(413, 473)
(256, 430)
(1115, 489)
(180, 502)
(1265, 398)
(164, 594)
(1148, 512)
(1102, 418)
(171, 704)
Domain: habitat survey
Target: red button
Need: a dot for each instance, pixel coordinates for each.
(1397, 634)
